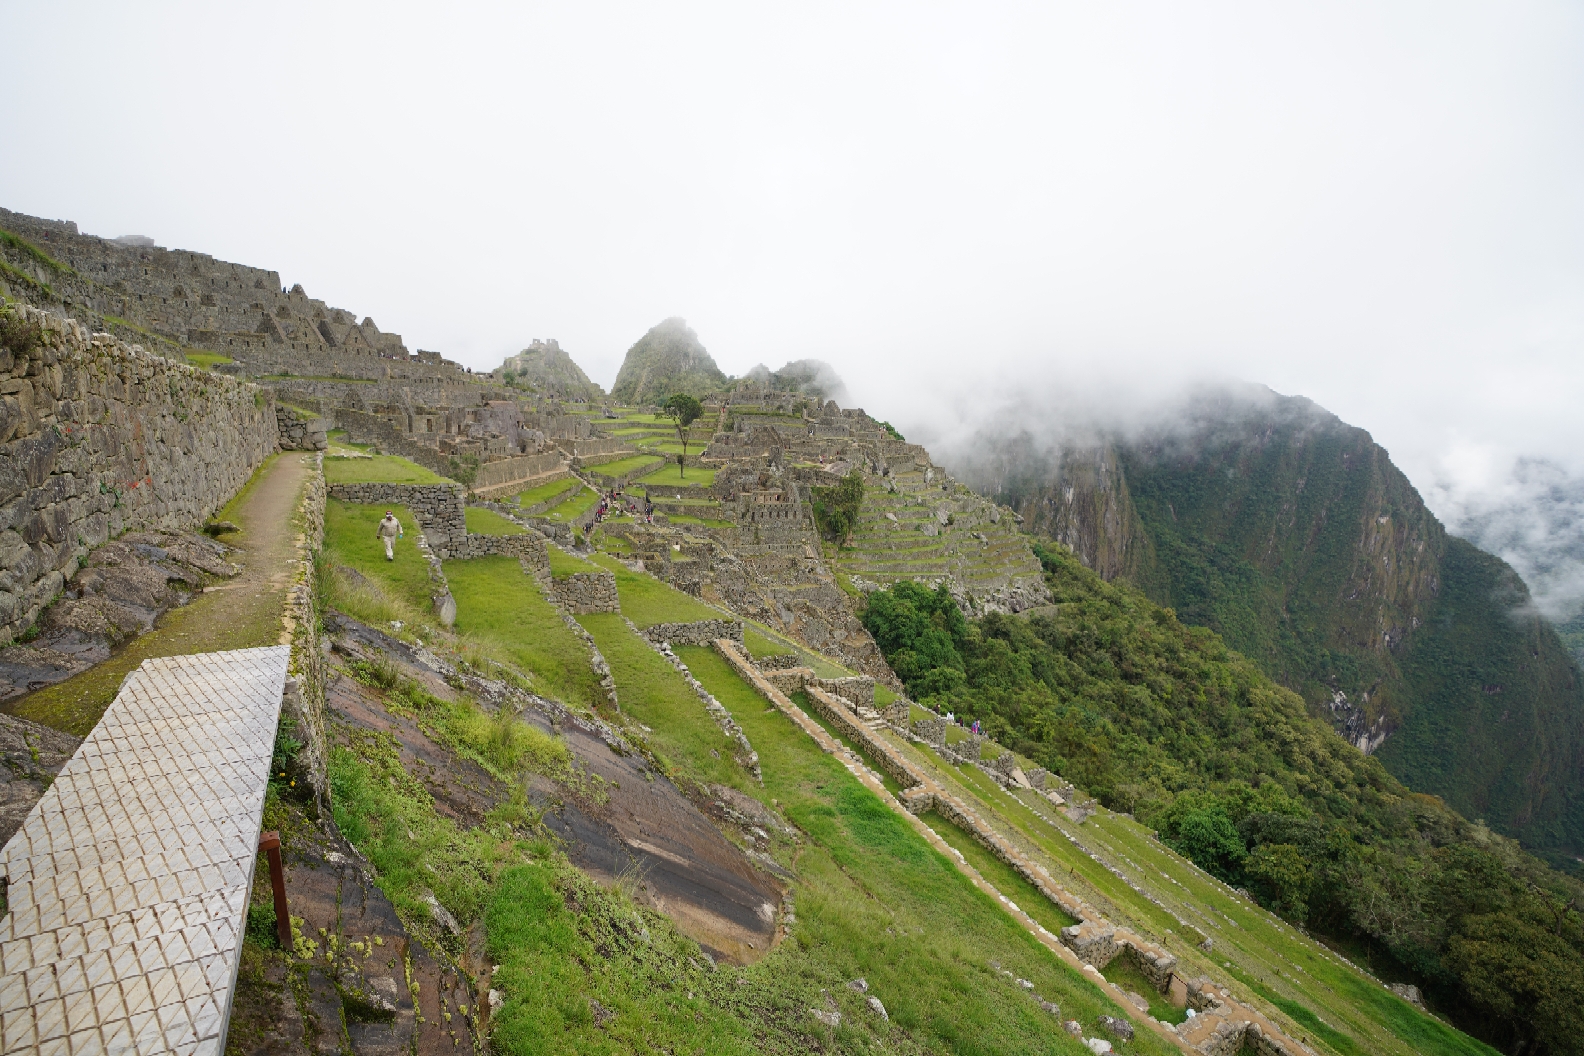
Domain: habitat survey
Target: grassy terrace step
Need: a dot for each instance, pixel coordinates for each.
(573, 507)
(1272, 966)
(350, 542)
(501, 610)
(545, 492)
(487, 522)
(622, 466)
(875, 900)
(563, 564)
(646, 601)
(697, 476)
(379, 469)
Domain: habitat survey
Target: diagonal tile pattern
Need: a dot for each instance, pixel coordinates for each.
(129, 881)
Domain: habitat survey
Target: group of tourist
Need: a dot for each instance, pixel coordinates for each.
(638, 509)
(973, 727)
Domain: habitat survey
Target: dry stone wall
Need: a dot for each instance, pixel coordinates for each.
(507, 475)
(98, 437)
(585, 592)
(701, 632)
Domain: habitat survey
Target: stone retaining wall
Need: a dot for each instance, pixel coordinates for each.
(305, 434)
(302, 703)
(585, 592)
(438, 509)
(98, 437)
(507, 475)
(702, 632)
(855, 689)
(529, 547)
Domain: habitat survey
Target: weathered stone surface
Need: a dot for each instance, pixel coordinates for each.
(32, 755)
(701, 632)
(119, 593)
(585, 592)
(100, 438)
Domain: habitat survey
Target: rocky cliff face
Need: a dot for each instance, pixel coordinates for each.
(668, 359)
(1293, 535)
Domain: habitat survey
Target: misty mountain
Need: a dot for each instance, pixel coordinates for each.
(668, 359)
(546, 367)
(1292, 534)
(805, 377)
(1534, 520)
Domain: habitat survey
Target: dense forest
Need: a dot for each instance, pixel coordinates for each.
(1162, 720)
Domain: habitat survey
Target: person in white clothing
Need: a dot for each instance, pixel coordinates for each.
(389, 530)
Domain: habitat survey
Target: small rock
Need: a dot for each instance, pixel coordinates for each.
(601, 1014)
(878, 1009)
(1120, 1029)
(441, 915)
(830, 1019)
(1409, 993)
(1025, 984)
(1073, 1027)
(497, 1000)
(1098, 1046)
(1207, 945)
(860, 985)
(1050, 1006)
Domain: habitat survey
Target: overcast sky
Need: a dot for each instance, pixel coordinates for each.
(1380, 206)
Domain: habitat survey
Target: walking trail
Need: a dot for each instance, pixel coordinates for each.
(237, 614)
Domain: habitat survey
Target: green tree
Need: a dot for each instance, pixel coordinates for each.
(836, 508)
(683, 410)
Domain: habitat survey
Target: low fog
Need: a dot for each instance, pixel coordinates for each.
(1076, 211)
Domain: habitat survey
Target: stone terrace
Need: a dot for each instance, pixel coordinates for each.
(129, 881)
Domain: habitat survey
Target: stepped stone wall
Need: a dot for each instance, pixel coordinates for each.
(98, 437)
(528, 547)
(507, 475)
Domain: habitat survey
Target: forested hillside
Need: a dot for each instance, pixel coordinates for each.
(1293, 536)
(1162, 719)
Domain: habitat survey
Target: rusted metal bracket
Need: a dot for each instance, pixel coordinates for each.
(269, 843)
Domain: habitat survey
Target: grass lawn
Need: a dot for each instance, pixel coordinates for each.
(564, 564)
(686, 518)
(382, 469)
(207, 360)
(654, 693)
(760, 646)
(575, 505)
(350, 540)
(667, 475)
(646, 601)
(501, 609)
(487, 522)
(622, 466)
(545, 492)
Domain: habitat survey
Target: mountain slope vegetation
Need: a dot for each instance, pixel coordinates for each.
(1294, 537)
(1161, 719)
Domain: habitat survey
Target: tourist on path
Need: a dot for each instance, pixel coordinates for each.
(390, 530)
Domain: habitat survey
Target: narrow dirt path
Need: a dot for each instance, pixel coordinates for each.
(235, 614)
